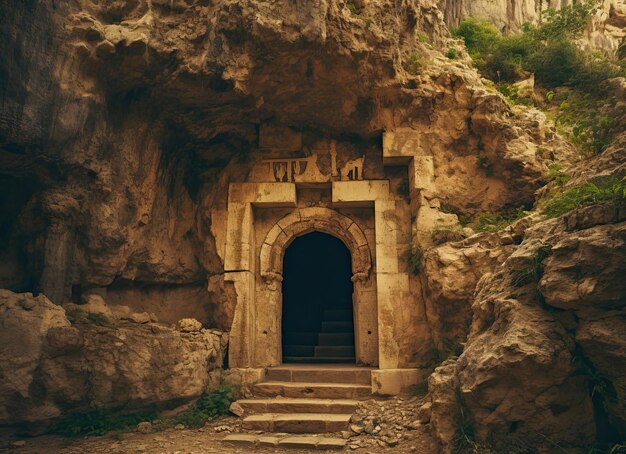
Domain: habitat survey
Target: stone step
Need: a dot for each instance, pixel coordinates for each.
(300, 338)
(344, 351)
(337, 327)
(298, 423)
(312, 390)
(338, 315)
(336, 339)
(284, 441)
(321, 351)
(319, 360)
(304, 338)
(320, 374)
(286, 405)
(299, 350)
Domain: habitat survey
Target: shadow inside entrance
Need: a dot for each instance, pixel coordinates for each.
(317, 318)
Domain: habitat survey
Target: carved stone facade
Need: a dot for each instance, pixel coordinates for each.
(363, 197)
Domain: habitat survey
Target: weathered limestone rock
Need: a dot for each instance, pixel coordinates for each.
(517, 369)
(188, 325)
(123, 125)
(25, 322)
(450, 273)
(527, 370)
(57, 367)
(584, 269)
(603, 342)
(444, 405)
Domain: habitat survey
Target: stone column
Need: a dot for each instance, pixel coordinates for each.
(240, 260)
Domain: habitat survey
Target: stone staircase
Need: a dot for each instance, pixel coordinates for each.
(313, 401)
(334, 343)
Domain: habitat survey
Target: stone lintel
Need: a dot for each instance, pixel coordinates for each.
(363, 192)
(263, 194)
(403, 147)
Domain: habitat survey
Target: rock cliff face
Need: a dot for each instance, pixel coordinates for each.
(605, 32)
(544, 357)
(123, 123)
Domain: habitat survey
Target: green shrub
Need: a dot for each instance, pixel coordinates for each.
(611, 189)
(464, 437)
(415, 260)
(480, 36)
(547, 50)
(452, 53)
(97, 318)
(586, 119)
(494, 222)
(567, 22)
(557, 175)
(533, 272)
(209, 406)
(352, 7)
(555, 63)
(97, 422)
(422, 37)
(412, 63)
(512, 95)
(509, 58)
(419, 389)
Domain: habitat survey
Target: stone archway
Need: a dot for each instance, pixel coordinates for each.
(308, 220)
(268, 295)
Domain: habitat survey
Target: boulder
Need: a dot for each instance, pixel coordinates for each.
(188, 325)
(57, 367)
(449, 275)
(545, 358)
(586, 269)
(25, 322)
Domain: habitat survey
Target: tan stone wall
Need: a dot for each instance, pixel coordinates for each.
(381, 205)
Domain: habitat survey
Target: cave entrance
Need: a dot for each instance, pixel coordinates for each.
(317, 313)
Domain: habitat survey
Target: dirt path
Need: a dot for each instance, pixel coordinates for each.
(196, 441)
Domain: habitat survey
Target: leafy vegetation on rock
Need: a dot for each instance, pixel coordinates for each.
(98, 422)
(209, 406)
(548, 51)
(415, 260)
(609, 189)
(494, 222)
(102, 421)
(534, 271)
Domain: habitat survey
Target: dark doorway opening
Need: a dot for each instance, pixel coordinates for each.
(317, 318)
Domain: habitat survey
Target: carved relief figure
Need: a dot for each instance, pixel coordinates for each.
(296, 170)
(353, 170)
(333, 160)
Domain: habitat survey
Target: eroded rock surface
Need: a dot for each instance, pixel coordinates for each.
(124, 122)
(536, 362)
(50, 366)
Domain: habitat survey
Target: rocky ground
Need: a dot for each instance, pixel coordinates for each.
(376, 427)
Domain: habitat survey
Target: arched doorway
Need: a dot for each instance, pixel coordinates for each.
(317, 310)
